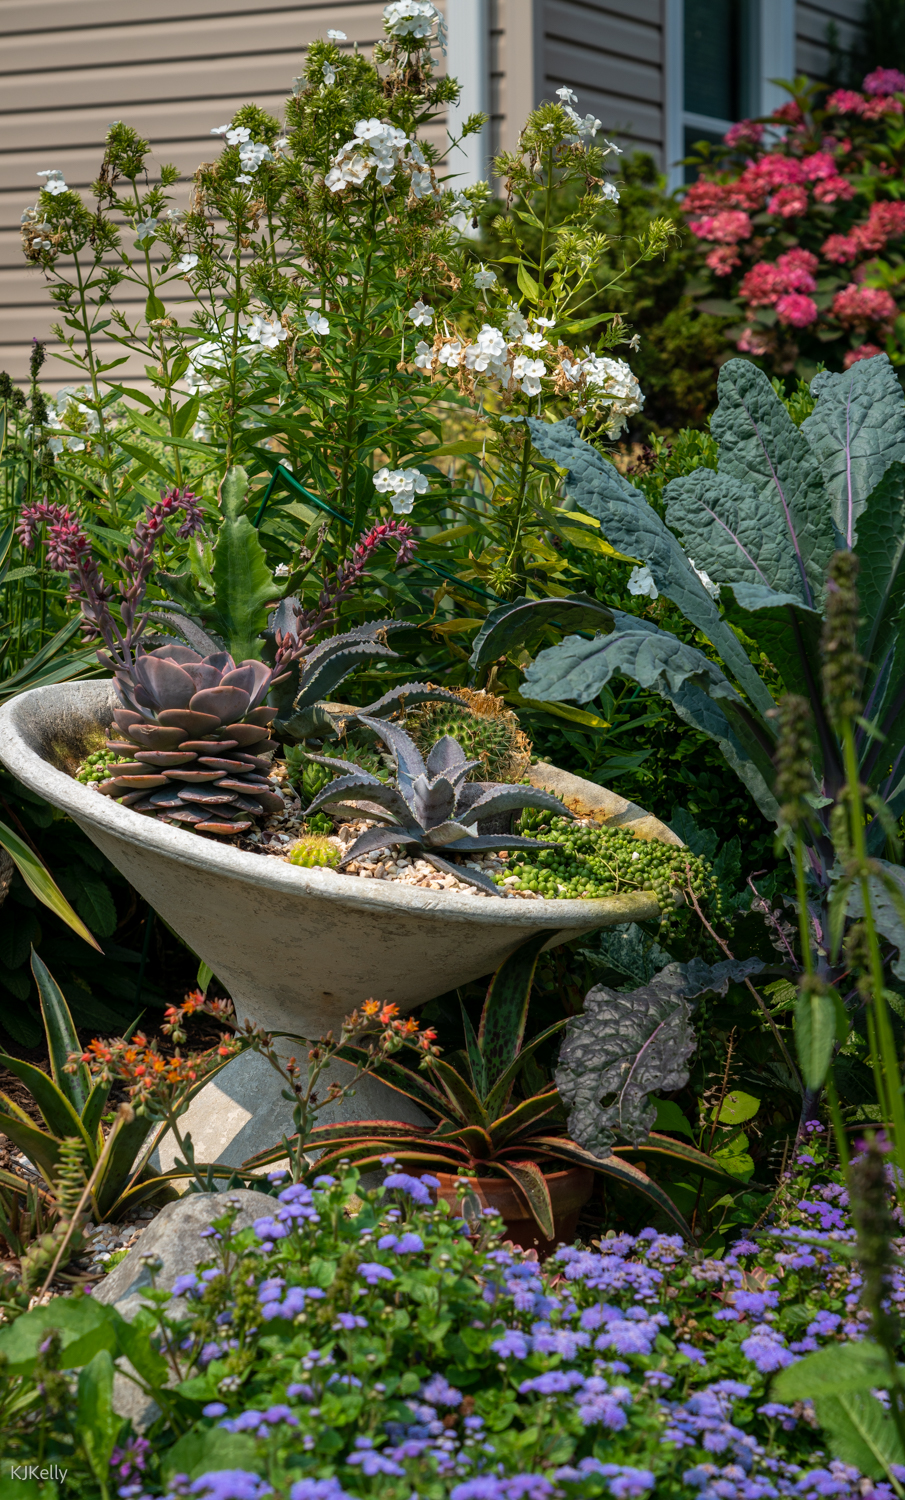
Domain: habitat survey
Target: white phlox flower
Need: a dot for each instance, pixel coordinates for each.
(489, 349)
(422, 314)
(529, 373)
(187, 263)
(204, 360)
(545, 322)
(424, 357)
(566, 95)
(246, 181)
(609, 192)
(712, 588)
(268, 332)
(317, 322)
(329, 75)
(641, 582)
(280, 144)
(252, 154)
(534, 340)
(610, 382)
(145, 231)
(585, 129)
(55, 184)
(413, 18)
(483, 279)
(336, 36)
(516, 325)
(383, 148)
(611, 146)
(403, 485)
(450, 355)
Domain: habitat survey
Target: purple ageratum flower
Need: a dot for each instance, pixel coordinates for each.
(325, 1181)
(299, 1390)
(349, 1321)
(185, 1286)
(697, 1356)
(372, 1462)
(552, 1383)
(512, 1345)
(230, 1484)
(439, 1392)
(416, 1188)
(766, 1350)
(278, 1174)
(824, 1324)
(755, 1303)
(625, 1481)
(373, 1271)
(318, 1489)
(628, 1337)
(745, 1247)
(214, 1409)
(564, 1341)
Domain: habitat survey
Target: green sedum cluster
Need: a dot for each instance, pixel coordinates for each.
(97, 767)
(595, 862)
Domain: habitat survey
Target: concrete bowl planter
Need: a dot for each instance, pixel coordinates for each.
(296, 948)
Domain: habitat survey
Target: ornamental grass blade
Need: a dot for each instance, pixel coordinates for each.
(62, 1041)
(120, 1162)
(348, 1134)
(505, 1010)
(41, 883)
(622, 1172)
(531, 1183)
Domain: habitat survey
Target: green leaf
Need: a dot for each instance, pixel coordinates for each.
(888, 906)
(85, 1326)
(762, 449)
(635, 529)
(57, 1112)
(512, 625)
(41, 884)
(621, 1171)
(670, 1117)
(837, 1370)
(861, 1432)
(695, 686)
(473, 1053)
(526, 283)
(197, 1453)
(738, 1107)
(856, 430)
(97, 1424)
(96, 905)
(815, 1032)
(731, 531)
(154, 308)
(503, 1018)
(783, 627)
(880, 548)
(244, 586)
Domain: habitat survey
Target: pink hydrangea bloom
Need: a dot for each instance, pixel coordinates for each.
(840, 248)
(797, 268)
(745, 133)
(789, 202)
(884, 81)
(723, 260)
(726, 228)
(885, 221)
(774, 171)
(789, 113)
(821, 164)
(705, 197)
(864, 351)
(763, 284)
(857, 306)
(796, 310)
(874, 109)
(834, 190)
(845, 102)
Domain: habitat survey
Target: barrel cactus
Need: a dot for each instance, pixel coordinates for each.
(313, 851)
(199, 738)
(481, 723)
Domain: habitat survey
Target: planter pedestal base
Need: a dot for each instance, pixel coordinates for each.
(241, 1112)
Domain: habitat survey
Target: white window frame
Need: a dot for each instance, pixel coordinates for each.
(776, 60)
(468, 60)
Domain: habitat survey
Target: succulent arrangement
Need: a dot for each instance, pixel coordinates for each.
(199, 735)
(480, 722)
(431, 807)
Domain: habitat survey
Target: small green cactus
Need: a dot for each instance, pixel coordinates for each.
(313, 850)
(486, 729)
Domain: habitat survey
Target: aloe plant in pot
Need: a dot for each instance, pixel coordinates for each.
(512, 1149)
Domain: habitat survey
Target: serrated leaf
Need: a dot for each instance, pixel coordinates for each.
(761, 448)
(635, 529)
(856, 430)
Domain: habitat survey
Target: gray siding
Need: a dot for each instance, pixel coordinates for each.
(612, 56)
(812, 19)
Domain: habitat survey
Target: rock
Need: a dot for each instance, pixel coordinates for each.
(174, 1236)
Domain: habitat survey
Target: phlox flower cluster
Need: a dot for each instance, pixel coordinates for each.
(383, 149)
(402, 485)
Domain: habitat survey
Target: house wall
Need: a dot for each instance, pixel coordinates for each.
(70, 67)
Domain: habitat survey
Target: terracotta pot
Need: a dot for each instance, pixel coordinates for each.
(569, 1192)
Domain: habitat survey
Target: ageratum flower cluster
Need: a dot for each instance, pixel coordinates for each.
(371, 1347)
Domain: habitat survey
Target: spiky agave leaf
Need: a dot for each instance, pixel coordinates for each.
(498, 799)
(376, 793)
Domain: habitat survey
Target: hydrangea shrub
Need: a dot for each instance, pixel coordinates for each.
(801, 226)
